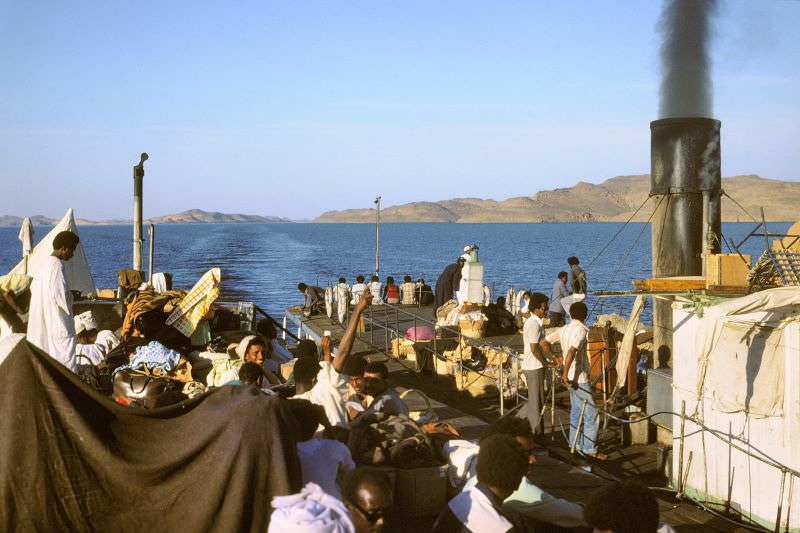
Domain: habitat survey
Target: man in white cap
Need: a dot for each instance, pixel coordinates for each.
(86, 333)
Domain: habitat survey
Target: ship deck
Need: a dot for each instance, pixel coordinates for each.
(557, 471)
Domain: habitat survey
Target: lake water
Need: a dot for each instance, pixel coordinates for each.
(264, 262)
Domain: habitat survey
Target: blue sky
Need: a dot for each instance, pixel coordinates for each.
(294, 108)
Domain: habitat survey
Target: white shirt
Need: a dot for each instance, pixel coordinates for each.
(477, 513)
(50, 323)
(574, 335)
(532, 333)
(356, 291)
(375, 288)
(108, 339)
(96, 353)
(321, 460)
(327, 393)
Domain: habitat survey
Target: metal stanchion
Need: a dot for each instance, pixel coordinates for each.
(603, 353)
(780, 502)
(579, 428)
(284, 329)
(789, 502)
(680, 448)
(500, 385)
(553, 403)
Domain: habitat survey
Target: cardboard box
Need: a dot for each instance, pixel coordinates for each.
(420, 491)
(727, 270)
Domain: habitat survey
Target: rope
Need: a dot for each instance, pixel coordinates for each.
(617, 233)
(628, 253)
(739, 205)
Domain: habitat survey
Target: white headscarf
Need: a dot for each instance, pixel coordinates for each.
(84, 322)
(240, 350)
(311, 511)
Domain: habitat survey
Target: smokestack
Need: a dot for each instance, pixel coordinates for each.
(685, 158)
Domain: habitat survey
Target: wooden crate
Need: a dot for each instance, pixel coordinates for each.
(727, 270)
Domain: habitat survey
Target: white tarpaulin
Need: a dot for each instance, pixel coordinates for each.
(739, 345)
(78, 274)
(629, 338)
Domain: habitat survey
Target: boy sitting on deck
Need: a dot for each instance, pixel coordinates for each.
(531, 503)
(323, 461)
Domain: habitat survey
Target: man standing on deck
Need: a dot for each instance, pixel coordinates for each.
(556, 309)
(576, 376)
(448, 280)
(50, 323)
(536, 358)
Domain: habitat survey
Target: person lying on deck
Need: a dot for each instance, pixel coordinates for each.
(532, 504)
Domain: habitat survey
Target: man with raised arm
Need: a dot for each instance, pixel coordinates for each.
(322, 382)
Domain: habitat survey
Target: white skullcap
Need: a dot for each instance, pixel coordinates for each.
(84, 322)
(467, 249)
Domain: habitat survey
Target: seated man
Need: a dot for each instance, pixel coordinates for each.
(502, 462)
(384, 398)
(423, 292)
(500, 319)
(313, 297)
(531, 503)
(407, 290)
(357, 290)
(323, 461)
(86, 333)
(252, 349)
(624, 508)
(367, 494)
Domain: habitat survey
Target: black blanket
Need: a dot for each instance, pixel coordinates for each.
(73, 460)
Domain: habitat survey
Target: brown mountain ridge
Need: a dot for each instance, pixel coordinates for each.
(615, 199)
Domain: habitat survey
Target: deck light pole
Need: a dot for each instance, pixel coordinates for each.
(138, 179)
(378, 236)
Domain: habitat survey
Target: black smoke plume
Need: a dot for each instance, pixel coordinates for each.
(687, 29)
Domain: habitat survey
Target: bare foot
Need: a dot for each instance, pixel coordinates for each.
(597, 456)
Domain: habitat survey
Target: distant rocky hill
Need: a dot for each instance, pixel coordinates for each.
(190, 216)
(615, 199)
(200, 216)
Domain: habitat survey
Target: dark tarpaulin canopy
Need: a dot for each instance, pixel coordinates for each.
(73, 460)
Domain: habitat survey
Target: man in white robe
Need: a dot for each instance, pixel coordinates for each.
(50, 322)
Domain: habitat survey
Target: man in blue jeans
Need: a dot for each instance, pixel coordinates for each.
(574, 338)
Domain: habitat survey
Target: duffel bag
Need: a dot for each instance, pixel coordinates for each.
(139, 386)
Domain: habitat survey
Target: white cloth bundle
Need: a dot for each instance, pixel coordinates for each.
(310, 511)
